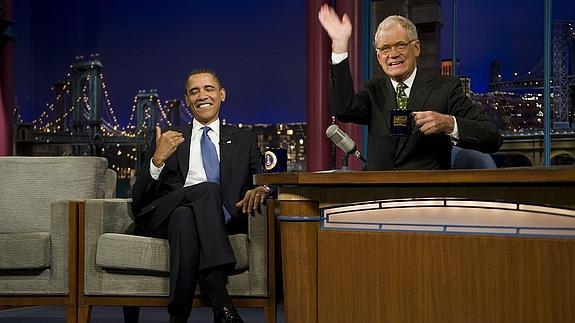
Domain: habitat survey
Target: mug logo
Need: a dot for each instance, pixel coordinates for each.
(270, 160)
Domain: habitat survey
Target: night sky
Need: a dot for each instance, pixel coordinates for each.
(257, 47)
(510, 31)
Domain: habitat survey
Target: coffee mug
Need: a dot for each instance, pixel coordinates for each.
(401, 123)
(274, 160)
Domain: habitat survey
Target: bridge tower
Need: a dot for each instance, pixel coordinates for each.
(86, 97)
(495, 72)
(147, 108)
(173, 108)
(562, 37)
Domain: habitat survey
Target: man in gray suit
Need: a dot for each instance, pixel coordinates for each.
(442, 115)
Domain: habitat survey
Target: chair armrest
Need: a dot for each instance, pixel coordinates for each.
(62, 234)
(111, 178)
(103, 216)
(258, 244)
(100, 216)
(108, 216)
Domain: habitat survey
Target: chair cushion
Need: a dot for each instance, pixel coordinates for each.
(143, 254)
(25, 250)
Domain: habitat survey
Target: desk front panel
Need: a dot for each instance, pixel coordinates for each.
(415, 277)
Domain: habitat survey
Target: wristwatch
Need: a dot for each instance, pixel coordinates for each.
(268, 189)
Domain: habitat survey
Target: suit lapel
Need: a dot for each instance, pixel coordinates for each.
(417, 96)
(387, 97)
(419, 92)
(227, 150)
(183, 151)
(389, 103)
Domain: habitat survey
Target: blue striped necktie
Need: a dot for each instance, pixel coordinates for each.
(211, 162)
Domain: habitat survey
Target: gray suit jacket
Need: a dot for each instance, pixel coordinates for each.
(372, 107)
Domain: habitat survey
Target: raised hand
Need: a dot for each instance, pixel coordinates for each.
(166, 144)
(339, 30)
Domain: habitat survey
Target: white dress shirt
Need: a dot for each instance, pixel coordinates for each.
(196, 173)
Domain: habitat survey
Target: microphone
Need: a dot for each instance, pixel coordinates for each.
(343, 141)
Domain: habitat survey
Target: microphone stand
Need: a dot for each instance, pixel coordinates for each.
(344, 162)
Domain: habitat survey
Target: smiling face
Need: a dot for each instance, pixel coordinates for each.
(397, 65)
(204, 95)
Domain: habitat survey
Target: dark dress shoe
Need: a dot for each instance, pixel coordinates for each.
(178, 319)
(227, 314)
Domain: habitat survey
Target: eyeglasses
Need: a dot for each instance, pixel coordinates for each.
(399, 46)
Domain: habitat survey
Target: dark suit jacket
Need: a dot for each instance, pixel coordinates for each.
(372, 107)
(154, 200)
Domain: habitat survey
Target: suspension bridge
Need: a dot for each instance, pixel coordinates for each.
(81, 111)
(563, 82)
(80, 120)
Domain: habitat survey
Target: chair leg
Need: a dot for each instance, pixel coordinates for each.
(84, 313)
(270, 311)
(131, 314)
(71, 313)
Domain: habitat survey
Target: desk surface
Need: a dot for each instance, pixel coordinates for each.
(520, 175)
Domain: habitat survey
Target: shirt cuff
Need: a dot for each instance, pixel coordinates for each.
(455, 133)
(155, 171)
(338, 58)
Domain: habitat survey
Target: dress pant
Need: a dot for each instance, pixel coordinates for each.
(198, 238)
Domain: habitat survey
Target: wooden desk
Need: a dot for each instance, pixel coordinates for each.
(333, 276)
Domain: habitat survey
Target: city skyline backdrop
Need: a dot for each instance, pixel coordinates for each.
(258, 48)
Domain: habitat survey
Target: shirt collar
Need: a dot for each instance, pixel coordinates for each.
(197, 126)
(408, 81)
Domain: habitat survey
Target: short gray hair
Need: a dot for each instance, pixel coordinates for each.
(390, 21)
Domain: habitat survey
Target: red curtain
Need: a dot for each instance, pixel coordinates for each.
(5, 126)
(318, 115)
(354, 10)
(319, 152)
(6, 100)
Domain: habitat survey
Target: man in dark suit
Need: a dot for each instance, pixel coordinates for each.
(195, 189)
(442, 114)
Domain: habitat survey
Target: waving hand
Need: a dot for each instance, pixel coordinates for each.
(338, 29)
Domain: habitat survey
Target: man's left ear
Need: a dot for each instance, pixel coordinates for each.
(223, 92)
(418, 48)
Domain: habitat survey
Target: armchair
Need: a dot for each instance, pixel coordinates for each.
(120, 269)
(38, 226)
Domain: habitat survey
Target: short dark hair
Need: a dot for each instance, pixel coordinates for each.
(201, 70)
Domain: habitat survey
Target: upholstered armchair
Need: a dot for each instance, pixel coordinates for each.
(38, 226)
(122, 269)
